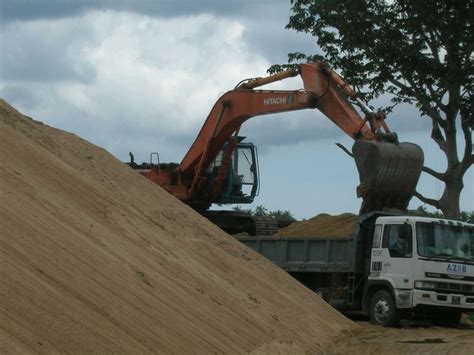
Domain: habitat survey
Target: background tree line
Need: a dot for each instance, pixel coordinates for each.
(286, 215)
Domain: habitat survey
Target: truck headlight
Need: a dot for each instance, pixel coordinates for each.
(425, 285)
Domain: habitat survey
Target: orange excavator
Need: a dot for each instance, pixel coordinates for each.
(220, 168)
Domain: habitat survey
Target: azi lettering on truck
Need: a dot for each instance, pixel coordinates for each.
(457, 268)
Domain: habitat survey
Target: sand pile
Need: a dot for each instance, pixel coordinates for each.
(95, 258)
(322, 225)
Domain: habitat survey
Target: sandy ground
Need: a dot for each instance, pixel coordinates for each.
(409, 338)
(95, 258)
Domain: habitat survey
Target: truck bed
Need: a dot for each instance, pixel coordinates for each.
(306, 254)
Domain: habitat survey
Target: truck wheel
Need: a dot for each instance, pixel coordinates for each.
(383, 311)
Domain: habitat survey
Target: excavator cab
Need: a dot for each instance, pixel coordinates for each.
(241, 183)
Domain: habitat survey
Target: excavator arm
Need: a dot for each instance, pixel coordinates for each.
(388, 170)
(236, 106)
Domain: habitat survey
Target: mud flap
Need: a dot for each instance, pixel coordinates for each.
(388, 172)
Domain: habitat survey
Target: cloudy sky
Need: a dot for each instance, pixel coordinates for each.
(141, 76)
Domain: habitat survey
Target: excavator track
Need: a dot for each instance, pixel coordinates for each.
(236, 222)
(265, 226)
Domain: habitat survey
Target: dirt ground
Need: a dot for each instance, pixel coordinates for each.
(410, 338)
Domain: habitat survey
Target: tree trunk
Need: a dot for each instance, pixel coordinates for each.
(449, 202)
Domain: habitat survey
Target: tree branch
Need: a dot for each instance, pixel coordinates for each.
(468, 158)
(413, 90)
(434, 46)
(345, 150)
(429, 201)
(435, 97)
(435, 117)
(408, 98)
(437, 175)
(438, 137)
(468, 52)
(425, 102)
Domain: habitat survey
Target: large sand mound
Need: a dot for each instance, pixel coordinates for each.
(323, 225)
(95, 258)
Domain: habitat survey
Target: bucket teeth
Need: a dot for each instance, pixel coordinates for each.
(388, 174)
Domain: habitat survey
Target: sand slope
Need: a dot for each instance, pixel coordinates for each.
(95, 258)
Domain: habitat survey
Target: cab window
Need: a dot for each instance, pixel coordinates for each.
(398, 240)
(377, 236)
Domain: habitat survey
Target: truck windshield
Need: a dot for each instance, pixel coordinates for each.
(445, 241)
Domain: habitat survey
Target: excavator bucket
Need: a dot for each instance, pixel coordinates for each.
(388, 173)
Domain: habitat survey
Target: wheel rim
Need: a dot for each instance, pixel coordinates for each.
(381, 311)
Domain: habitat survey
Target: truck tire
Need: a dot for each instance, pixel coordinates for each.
(383, 310)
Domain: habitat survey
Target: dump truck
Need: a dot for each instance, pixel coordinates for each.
(220, 168)
(392, 266)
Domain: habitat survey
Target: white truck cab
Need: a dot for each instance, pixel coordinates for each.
(427, 264)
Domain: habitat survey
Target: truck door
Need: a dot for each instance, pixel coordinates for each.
(397, 255)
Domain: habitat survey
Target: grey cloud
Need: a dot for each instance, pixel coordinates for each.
(17, 10)
(274, 42)
(36, 54)
(19, 96)
(289, 129)
(265, 33)
(21, 10)
(54, 60)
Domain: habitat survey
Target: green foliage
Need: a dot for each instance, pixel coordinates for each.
(421, 211)
(467, 216)
(282, 215)
(243, 210)
(412, 49)
(261, 211)
(421, 52)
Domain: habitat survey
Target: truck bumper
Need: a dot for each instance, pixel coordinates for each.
(432, 298)
(403, 298)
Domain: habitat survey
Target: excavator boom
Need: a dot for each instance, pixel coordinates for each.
(388, 170)
(208, 173)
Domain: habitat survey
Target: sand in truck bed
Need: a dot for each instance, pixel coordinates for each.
(95, 258)
(321, 226)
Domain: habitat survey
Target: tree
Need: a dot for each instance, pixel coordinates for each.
(282, 215)
(420, 52)
(465, 216)
(262, 211)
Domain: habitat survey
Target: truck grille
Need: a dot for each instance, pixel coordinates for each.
(449, 287)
